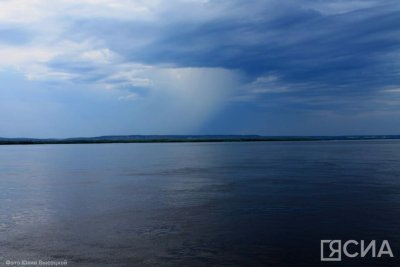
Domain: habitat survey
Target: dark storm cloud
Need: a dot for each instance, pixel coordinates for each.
(352, 50)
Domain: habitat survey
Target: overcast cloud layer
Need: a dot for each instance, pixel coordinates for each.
(97, 67)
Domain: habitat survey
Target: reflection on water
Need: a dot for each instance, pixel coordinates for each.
(246, 204)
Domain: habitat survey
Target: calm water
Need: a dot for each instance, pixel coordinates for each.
(197, 204)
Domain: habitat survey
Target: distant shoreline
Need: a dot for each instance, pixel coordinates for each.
(186, 139)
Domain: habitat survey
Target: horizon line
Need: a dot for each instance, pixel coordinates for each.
(199, 135)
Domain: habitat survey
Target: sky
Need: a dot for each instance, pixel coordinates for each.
(72, 68)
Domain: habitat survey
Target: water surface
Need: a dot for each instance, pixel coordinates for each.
(197, 204)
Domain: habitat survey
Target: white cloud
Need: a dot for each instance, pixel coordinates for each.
(31, 11)
(100, 56)
(34, 60)
(342, 6)
(19, 56)
(392, 90)
(55, 11)
(268, 83)
(41, 72)
(129, 97)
